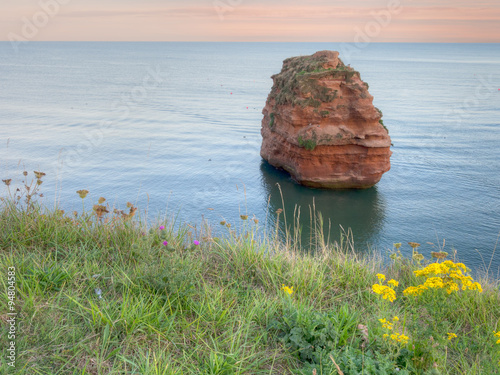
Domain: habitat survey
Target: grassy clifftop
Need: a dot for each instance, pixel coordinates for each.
(97, 296)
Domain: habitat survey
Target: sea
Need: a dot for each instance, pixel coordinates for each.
(174, 128)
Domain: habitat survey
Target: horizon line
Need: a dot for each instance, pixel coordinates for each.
(230, 41)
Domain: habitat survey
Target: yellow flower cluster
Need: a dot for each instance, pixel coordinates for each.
(385, 323)
(398, 338)
(497, 334)
(447, 275)
(393, 283)
(451, 336)
(387, 292)
(388, 325)
(414, 290)
(286, 289)
(441, 268)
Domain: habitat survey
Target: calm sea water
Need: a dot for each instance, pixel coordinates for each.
(177, 126)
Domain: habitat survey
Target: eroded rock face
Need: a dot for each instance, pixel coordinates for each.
(320, 125)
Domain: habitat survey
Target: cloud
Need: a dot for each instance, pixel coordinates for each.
(187, 12)
(296, 13)
(276, 20)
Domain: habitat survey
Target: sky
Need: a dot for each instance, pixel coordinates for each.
(251, 20)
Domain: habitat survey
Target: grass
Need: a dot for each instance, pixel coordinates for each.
(110, 295)
(271, 122)
(381, 122)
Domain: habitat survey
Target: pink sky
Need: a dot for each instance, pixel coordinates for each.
(253, 20)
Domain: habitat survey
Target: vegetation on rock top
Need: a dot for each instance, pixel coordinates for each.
(297, 83)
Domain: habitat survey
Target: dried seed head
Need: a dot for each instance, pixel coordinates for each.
(129, 205)
(38, 175)
(279, 210)
(7, 181)
(82, 193)
(222, 222)
(243, 217)
(439, 255)
(132, 212)
(414, 245)
(25, 173)
(418, 257)
(100, 210)
(101, 200)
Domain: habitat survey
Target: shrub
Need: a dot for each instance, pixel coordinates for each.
(308, 144)
(271, 123)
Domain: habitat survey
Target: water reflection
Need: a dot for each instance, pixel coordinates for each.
(360, 210)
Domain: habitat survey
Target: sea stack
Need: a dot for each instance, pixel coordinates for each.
(320, 125)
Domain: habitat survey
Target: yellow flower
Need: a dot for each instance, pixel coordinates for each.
(434, 282)
(385, 291)
(447, 275)
(380, 276)
(385, 323)
(414, 290)
(497, 334)
(451, 336)
(476, 286)
(393, 283)
(395, 319)
(385, 335)
(451, 287)
(287, 289)
(403, 339)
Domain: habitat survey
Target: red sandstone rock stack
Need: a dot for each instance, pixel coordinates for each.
(320, 125)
